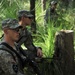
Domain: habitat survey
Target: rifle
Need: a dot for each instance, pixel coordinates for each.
(30, 60)
(33, 62)
(43, 59)
(35, 67)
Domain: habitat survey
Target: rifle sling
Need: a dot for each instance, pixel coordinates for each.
(8, 51)
(12, 50)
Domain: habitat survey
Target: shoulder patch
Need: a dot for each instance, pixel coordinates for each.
(15, 68)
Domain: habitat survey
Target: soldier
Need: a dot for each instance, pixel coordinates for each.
(51, 14)
(25, 19)
(10, 63)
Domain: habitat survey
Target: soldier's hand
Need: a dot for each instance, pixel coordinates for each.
(39, 52)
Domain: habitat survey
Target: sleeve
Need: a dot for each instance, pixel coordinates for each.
(29, 43)
(8, 64)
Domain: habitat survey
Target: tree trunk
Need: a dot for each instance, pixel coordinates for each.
(64, 50)
(32, 9)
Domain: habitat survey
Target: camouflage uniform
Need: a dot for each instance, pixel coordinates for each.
(10, 64)
(26, 38)
(25, 35)
(51, 14)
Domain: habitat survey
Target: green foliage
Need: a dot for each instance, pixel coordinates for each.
(46, 32)
(9, 8)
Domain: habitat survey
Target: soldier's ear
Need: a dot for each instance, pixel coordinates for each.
(5, 31)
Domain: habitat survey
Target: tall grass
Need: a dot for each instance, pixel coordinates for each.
(46, 34)
(45, 38)
(9, 8)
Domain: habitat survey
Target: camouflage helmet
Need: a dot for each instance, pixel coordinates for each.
(25, 13)
(53, 2)
(10, 23)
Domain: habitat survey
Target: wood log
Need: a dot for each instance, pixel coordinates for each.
(64, 50)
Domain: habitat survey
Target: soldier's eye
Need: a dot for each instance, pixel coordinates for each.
(17, 30)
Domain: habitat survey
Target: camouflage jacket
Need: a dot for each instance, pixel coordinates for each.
(50, 15)
(26, 39)
(9, 65)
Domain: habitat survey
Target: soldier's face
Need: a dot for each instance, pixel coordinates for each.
(13, 34)
(54, 6)
(27, 20)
